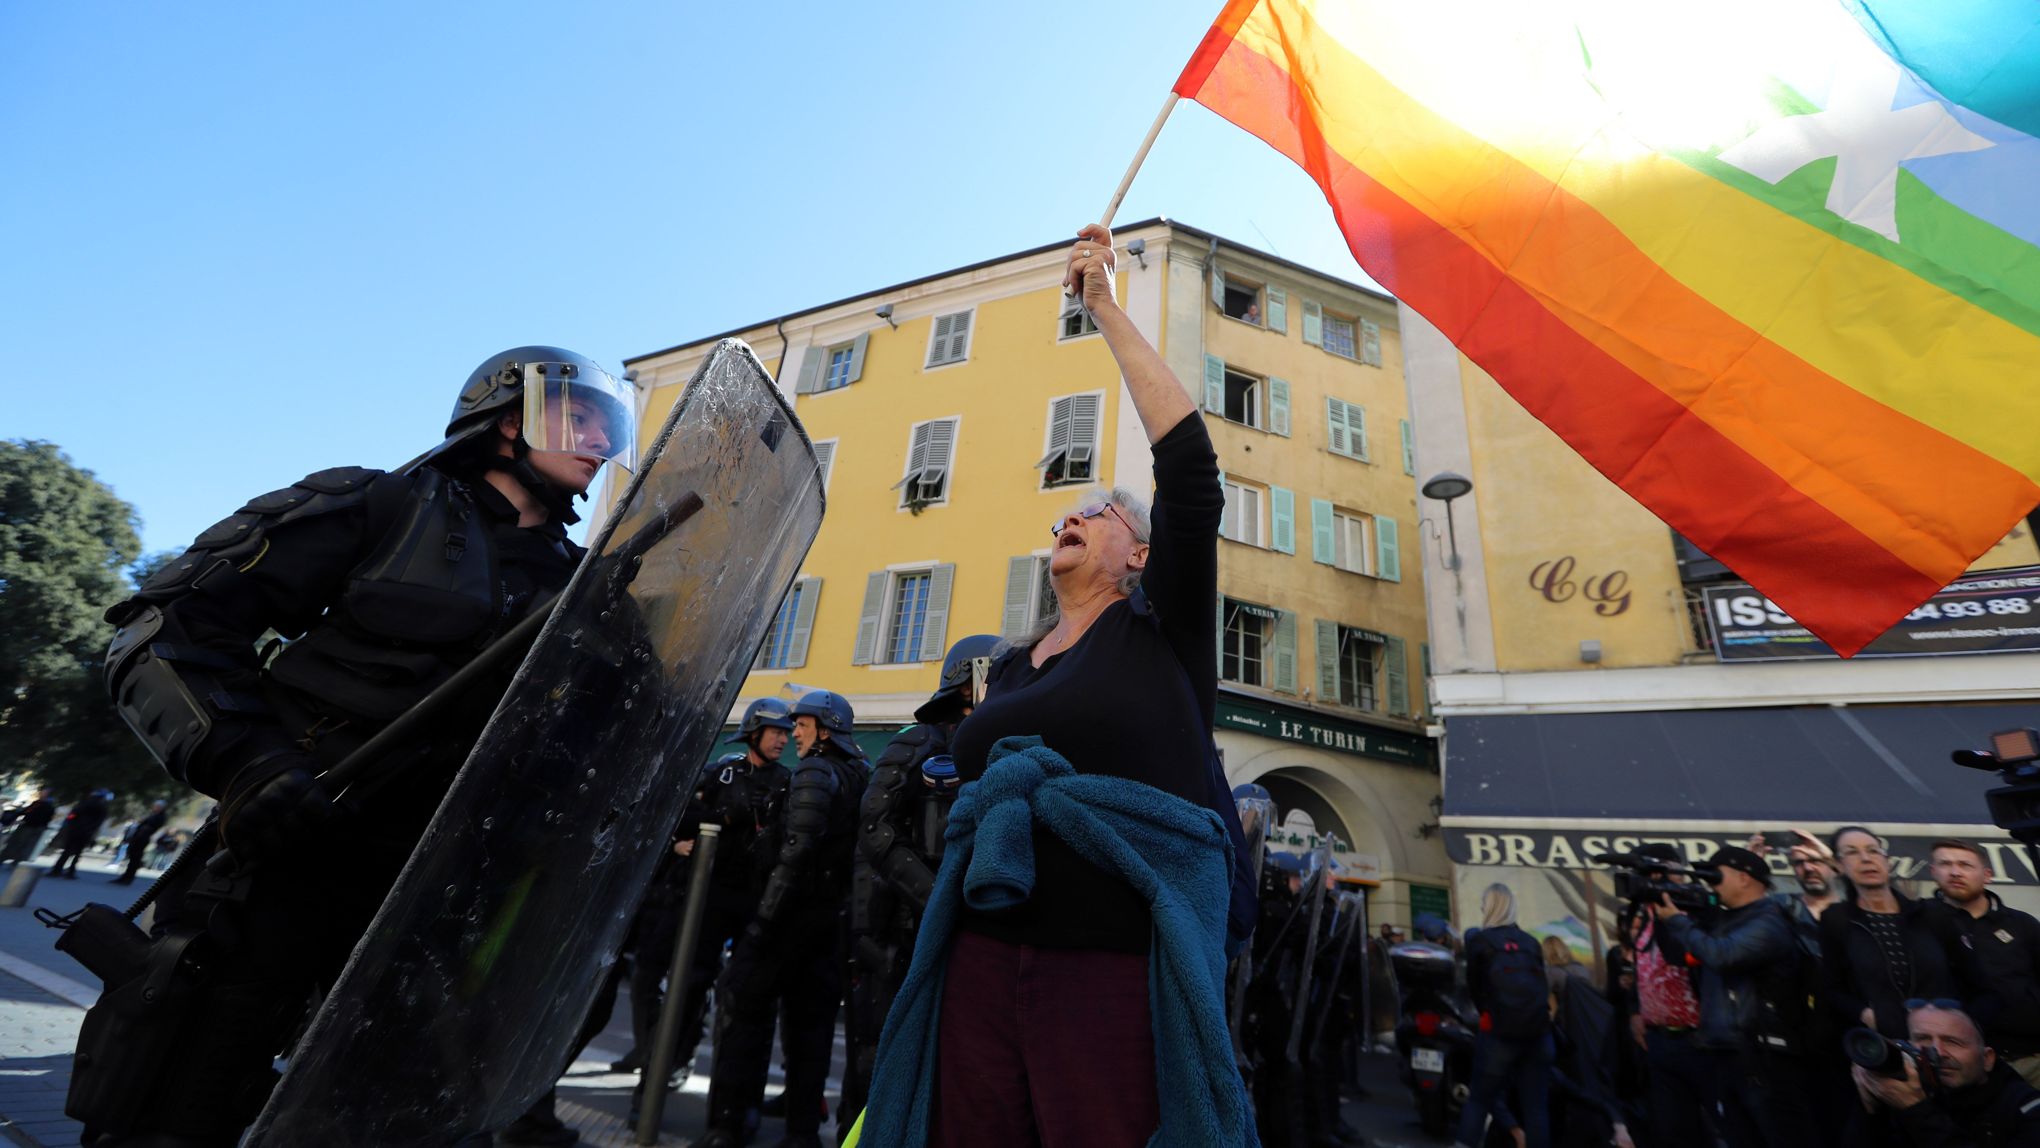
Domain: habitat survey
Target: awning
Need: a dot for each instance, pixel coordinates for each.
(1811, 765)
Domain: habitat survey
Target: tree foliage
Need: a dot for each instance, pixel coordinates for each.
(67, 544)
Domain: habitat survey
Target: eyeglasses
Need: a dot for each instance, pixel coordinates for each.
(1093, 510)
(1942, 1003)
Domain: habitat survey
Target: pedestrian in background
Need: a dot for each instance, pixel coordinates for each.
(1877, 950)
(29, 822)
(140, 836)
(1513, 1051)
(79, 832)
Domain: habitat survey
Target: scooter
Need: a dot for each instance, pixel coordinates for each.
(1434, 1033)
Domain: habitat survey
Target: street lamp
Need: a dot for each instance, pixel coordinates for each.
(1444, 487)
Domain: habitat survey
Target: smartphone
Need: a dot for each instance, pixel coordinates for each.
(1782, 838)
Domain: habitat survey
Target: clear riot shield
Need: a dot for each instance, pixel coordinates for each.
(458, 1007)
(1256, 815)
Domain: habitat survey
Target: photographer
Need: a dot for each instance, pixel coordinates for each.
(1994, 950)
(1967, 1097)
(1753, 1020)
(1665, 1017)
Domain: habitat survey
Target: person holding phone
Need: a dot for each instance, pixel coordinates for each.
(1819, 876)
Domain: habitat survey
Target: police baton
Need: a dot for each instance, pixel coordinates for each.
(659, 1064)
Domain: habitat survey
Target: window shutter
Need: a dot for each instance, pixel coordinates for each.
(1250, 515)
(1327, 662)
(1214, 384)
(1370, 342)
(941, 448)
(1278, 406)
(959, 337)
(1218, 638)
(803, 622)
(1059, 412)
(1321, 531)
(857, 356)
(1282, 513)
(1356, 430)
(1278, 310)
(1313, 323)
(1335, 423)
(935, 635)
(1217, 287)
(825, 459)
(917, 455)
(1285, 651)
(1224, 515)
(1387, 550)
(1409, 447)
(1398, 677)
(811, 361)
(867, 622)
(1084, 411)
(1019, 591)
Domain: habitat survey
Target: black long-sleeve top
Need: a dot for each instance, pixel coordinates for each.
(1134, 698)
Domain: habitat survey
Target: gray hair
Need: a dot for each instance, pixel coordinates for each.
(1135, 508)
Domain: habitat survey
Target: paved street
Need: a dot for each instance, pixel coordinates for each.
(43, 995)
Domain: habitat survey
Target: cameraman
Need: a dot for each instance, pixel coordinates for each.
(1970, 1098)
(1665, 1019)
(1753, 1015)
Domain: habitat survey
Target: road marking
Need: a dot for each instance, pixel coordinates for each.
(56, 984)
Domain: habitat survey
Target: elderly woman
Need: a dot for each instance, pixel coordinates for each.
(1045, 1031)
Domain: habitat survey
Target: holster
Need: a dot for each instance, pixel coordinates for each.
(130, 1036)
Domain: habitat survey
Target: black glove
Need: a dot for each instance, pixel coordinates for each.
(277, 811)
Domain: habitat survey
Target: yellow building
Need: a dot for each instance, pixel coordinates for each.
(960, 414)
(1601, 681)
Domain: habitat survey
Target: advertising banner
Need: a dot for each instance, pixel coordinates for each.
(1991, 612)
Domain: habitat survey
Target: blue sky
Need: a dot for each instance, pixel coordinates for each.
(244, 242)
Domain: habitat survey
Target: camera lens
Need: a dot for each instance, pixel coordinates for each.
(1868, 1048)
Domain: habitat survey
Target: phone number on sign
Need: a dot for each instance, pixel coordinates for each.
(1936, 610)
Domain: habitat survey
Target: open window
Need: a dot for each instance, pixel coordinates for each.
(1072, 445)
(931, 450)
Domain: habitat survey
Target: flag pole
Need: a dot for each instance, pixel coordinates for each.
(1070, 303)
(1139, 157)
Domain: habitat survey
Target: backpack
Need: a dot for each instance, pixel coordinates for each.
(1517, 994)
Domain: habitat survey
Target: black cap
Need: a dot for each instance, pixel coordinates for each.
(1742, 861)
(1660, 851)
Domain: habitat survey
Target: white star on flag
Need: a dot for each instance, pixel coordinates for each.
(1867, 137)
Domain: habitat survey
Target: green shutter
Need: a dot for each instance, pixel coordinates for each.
(1278, 406)
(1019, 592)
(867, 620)
(803, 622)
(1327, 662)
(1398, 677)
(1217, 287)
(1409, 447)
(857, 356)
(1313, 323)
(1218, 635)
(1278, 310)
(811, 370)
(1387, 550)
(935, 633)
(1321, 545)
(1370, 342)
(1335, 425)
(1282, 513)
(1285, 651)
(1356, 430)
(1214, 385)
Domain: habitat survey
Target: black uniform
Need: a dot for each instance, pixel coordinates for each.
(791, 953)
(29, 822)
(899, 848)
(384, 585)
(79, 831)
(745, 801)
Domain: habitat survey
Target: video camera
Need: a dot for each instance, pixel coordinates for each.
(2015, 755)
(1642, 879)
(1886, 1057)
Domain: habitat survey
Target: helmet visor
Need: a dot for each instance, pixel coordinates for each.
(573, 408)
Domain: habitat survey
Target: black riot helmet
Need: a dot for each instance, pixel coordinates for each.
(830, 710)
(765, 713)
(568, 403)
(963, 678)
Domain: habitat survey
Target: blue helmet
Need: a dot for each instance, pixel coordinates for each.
(765, 713)
(1249, 789)
(830, 710)
(954, 689)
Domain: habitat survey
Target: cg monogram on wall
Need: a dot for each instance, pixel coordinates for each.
(1608, 592)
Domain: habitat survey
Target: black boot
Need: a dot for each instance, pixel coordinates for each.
(539, 1126)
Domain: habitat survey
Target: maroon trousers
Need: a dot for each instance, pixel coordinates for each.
(1044, 1047)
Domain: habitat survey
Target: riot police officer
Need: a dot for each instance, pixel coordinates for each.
(791, 952)
(385, 584)
(899, 848)
(742, 793)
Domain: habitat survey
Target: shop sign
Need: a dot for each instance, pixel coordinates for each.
(1570, 849)
(1991, 612)
(1320, 731)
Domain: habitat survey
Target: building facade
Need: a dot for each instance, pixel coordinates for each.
(959, 415)
(1600, 681)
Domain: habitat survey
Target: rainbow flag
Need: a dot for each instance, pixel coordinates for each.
(1769, 265)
